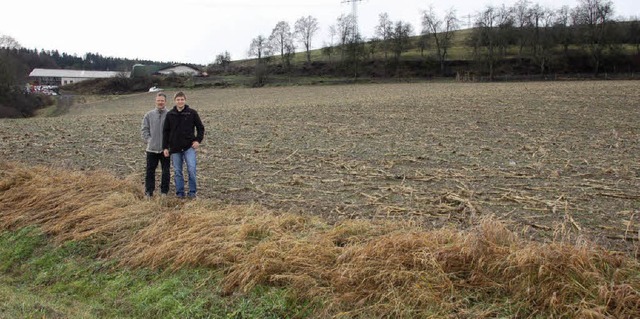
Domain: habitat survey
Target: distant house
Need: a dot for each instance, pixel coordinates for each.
(180, 69)
(59, 77)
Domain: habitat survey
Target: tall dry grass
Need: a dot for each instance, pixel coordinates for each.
(355, 268)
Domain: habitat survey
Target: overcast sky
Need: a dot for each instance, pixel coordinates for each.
(194, 31)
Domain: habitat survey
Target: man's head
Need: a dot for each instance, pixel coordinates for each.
(180, 100)
(161, 99)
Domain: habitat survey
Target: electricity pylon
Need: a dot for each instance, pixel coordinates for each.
(354, 13)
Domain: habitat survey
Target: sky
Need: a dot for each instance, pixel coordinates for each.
(195, 31)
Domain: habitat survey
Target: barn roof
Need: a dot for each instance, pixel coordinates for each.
(179, 65)
(73, 73)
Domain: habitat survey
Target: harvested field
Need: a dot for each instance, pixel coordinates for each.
(550, 159)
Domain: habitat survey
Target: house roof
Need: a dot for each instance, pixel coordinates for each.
(73, 73)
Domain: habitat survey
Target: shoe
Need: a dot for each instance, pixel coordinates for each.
(163, 194)
(148, 196)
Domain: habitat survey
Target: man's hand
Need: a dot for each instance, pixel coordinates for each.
(165, 152)
(195, 145)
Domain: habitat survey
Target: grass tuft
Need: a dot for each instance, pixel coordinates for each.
(352, 269)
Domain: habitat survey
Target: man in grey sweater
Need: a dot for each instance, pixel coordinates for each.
(152, 124)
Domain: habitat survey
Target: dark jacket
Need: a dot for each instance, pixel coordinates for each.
(178, 130)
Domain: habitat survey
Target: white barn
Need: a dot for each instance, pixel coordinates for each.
(59, 77)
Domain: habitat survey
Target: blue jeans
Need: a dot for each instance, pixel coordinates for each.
(189, 157)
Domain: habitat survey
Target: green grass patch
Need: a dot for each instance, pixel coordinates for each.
(39, 279)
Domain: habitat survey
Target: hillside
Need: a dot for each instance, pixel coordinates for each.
(512, 52)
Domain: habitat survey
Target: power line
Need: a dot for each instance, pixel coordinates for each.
(468, 19)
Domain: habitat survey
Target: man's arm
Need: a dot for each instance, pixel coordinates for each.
(145, 130)
(199, 128)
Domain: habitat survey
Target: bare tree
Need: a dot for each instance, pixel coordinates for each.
(223, 60)
(328, 48)
(383, 31)
(539, 18)
(562, 30)
(305, 29)
(400, 41)
(9, 42)
(542, 41)
(400, 38)
(506, 30)
(333, 32)
(344, 29)
(259, 48)
(485, 37)
(633, 33)
(522, 19)
(289, 53)
(281, 38)
(591, 17)
(442, 31)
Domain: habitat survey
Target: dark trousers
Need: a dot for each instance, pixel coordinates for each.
(150, 180)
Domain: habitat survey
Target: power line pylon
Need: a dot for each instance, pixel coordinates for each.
(354, 13)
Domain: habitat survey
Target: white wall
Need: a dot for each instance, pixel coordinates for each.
(73, 80)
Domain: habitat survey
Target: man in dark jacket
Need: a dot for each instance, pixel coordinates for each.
(182, 134)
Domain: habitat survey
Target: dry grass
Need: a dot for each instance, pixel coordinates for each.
(358, 268)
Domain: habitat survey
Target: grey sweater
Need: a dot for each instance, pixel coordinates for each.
(152, 124)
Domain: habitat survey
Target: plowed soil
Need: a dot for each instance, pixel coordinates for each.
(554, 160)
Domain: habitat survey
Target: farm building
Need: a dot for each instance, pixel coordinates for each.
(141, 70)
(180, 69)
(59, 77)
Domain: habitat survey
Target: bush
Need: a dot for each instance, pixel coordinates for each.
(125, 85)
(115, 85)
(8, 112)
(261, 73)
(16, 103)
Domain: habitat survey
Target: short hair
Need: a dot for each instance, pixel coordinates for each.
(163, 95)
(179, 94)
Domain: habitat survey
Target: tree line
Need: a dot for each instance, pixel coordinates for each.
(52, 59)
(574, 39)
(526, 38)
(16, 62)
